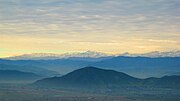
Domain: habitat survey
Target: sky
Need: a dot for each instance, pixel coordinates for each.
(108, 26)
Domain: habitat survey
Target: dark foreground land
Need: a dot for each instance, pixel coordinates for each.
(9, 92)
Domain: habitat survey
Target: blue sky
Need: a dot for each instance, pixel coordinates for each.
(110, 26)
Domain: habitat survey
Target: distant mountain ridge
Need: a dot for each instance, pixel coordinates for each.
(51, 56)
(28, 68)
(154, 54)
(16, 76)
(92, 77)
(90, 55)
(141, 67)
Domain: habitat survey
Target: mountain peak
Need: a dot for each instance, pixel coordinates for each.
(90, 67)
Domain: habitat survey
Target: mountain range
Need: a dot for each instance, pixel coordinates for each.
(90, 55)
(141, 67)
(51, 56)
(96, 78)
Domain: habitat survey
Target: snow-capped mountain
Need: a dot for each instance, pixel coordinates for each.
(90, 54)
(47, 56)
(154, 54)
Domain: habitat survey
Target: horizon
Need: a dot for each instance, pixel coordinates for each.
(106, 54)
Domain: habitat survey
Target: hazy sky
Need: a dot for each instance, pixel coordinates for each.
(110, 26)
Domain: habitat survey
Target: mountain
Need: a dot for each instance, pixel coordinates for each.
(90, 77)
(29, 68)
(142, 67)
(165, 81)
(90, 55)
(16, 76)
(140, 62)
(96, 78)
(172, 73)
(154, 54)
(61, 66)
(50, 56)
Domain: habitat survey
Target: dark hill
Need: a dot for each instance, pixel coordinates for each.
(166, 81)
(90, 77)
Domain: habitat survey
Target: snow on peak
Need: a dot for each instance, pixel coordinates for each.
(46, 56)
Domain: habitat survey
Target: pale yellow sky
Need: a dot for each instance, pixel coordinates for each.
(17, 45)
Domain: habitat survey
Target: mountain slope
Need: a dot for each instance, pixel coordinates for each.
(166, 81)
(28, 68)
(15, 76)
(142, 67)
(122, 61)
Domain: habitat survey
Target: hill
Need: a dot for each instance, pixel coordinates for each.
(90, 77)
(16, 76)
(165, 82)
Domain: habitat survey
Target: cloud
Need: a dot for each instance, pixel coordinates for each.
(92, 21)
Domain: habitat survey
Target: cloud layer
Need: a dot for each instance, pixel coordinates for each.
(144, 25)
